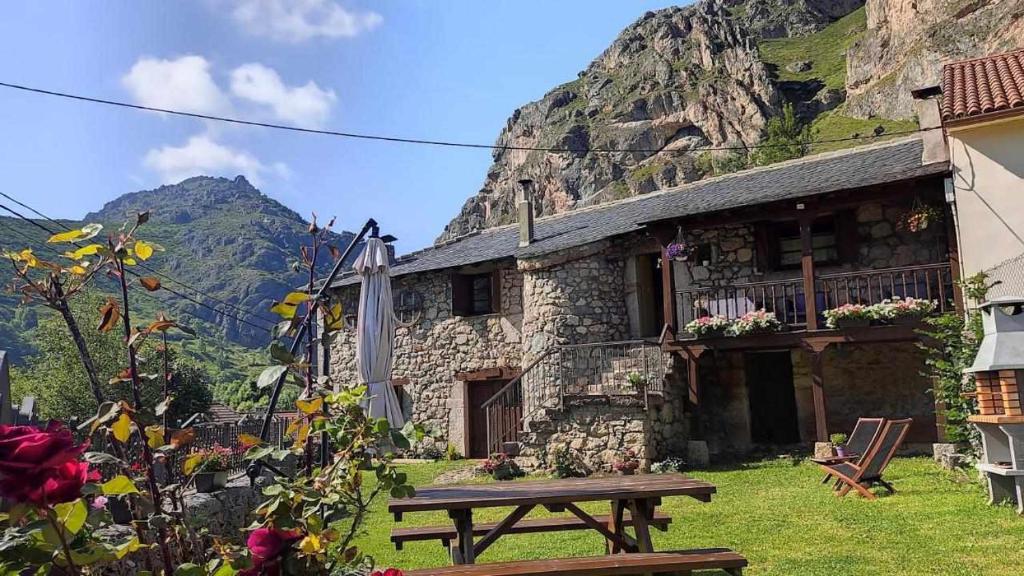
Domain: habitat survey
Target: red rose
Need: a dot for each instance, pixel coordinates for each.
(388, 572)
(29, 450)
(268, 543)
(53, 486)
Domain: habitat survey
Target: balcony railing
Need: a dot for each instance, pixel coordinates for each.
(787, 300)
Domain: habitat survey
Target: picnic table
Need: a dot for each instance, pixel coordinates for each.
(638, 495)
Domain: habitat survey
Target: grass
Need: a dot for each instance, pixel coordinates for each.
(777, 514)
(826, 50)
(833, 125)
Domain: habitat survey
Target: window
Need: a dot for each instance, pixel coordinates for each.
(833, 240)
(475, 294)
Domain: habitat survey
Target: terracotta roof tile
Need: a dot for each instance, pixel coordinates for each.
(983, 85)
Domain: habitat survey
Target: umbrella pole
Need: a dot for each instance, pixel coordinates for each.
(254, 468)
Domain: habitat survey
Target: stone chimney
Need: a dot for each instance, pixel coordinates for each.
(525, 211)
(933, 138)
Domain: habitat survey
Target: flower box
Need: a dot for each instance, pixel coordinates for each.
(753, 323)
(708, 326)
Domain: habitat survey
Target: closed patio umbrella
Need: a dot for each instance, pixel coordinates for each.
(375, 334)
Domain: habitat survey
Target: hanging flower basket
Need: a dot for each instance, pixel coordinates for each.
(681, 251)
(919, 217)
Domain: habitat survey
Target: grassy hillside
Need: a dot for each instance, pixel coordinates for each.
(825, 50)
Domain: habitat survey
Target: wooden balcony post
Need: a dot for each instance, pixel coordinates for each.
(665, 235)
(816, 349)
(807, 266)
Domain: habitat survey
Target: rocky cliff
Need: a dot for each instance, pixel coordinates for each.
(906, 43)
(713, 74)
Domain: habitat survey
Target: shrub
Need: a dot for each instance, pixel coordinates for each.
(501, 466)
(669, 465)
(567, 464)
(451, 454)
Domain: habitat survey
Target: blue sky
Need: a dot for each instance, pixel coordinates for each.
(451, 70)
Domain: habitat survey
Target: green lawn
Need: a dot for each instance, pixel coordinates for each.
(786, 523)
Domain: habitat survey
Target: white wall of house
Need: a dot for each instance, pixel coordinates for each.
(988, 179)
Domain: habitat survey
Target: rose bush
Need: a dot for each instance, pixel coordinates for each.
(29, 450)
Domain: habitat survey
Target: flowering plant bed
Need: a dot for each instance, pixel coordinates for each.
(628, 464)
(848, 316)
(501, 466)
(902, 310)
(757, 322)
(708, 326)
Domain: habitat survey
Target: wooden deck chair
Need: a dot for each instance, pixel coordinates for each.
(868, 471)
(864, 432)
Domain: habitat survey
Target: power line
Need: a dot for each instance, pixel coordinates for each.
(133, 273)
(148, 268)
(444, 143)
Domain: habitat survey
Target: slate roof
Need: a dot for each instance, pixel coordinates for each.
(983, 85)
(812, 175)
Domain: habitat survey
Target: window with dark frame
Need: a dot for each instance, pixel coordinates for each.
(474, 294)
(833, 239)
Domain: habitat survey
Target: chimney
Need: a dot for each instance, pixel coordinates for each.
(525, 210)
(933, 139)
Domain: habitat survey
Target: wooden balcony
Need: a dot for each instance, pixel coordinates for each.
(788, 298)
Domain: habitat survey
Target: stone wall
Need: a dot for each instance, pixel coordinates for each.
(861, 380)
(573, 297)
(430, 351)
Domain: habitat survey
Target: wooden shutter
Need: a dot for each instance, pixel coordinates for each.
(496, 291)
(462, 294)
(766, 242)
(847, 238)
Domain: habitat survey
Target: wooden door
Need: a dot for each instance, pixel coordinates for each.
(649, 295)
(773, 415)
(478, 392)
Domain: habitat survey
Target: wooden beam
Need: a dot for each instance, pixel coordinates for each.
(807, 267)
(818, 393)
(693, 354)
(668, 294)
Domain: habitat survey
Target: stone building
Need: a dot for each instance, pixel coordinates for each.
(569, 332)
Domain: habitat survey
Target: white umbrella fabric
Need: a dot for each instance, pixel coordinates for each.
(375, 334)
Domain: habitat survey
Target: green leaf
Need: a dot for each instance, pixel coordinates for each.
(72, 515)
(119, 485)
(189, 569)
(270, 375)
(281, 354)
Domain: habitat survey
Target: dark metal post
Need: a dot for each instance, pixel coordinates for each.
(254, 468)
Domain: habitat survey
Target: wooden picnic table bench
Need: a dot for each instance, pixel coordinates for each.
(614, 565)
(446, 534)
(639, 495)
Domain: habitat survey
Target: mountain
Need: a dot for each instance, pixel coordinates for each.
(221, 237)
(714, 74)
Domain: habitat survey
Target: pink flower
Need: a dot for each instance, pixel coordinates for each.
(269, 543)
(387, 572)
(99, 502)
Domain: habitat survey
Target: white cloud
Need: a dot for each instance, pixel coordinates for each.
(301, 20)
(202, 156)
(307, 105)
(182, 84)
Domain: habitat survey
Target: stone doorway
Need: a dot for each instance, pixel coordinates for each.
(772, 398)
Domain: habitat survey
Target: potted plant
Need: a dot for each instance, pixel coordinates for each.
(501, 466)
(210, 467)
(919, 217)
(757, 322)
(708, 326)
(628, 464)
(903, 310)
(681, 251)
(848, 316)
(839, 444)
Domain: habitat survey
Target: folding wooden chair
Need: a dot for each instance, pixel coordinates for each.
(868, 471)
(864, 432)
